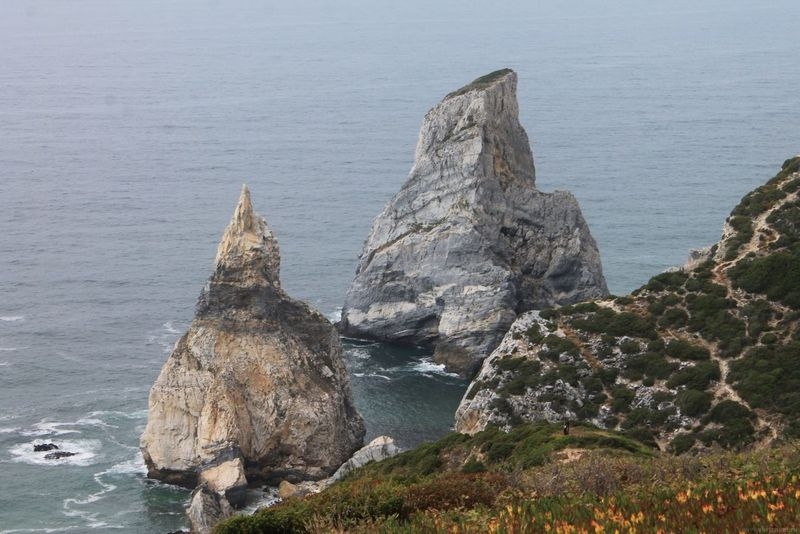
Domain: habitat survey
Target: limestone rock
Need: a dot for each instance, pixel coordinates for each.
(206, 509)
(228, 478)
(286, 489)
(376, 450)
(256, 390)
(478, 408)
(469, 242)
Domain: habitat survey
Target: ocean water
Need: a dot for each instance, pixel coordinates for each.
(127, 129)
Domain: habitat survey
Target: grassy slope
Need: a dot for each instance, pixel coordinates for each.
(534, 476)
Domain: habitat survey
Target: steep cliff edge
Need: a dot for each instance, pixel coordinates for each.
(707, 354)
(256, 389)
(469, 242)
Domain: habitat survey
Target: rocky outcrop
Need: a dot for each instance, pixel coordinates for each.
(376, 450)
(469, 242)
(206, 509)
(256, 390)
(703, 355)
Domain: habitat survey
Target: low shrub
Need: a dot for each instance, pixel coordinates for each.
(769, 377)
(683, 350)
(682, 443)
(777, 276)
(697, 376)
(651, 364)
(607, 321)
(693, 402)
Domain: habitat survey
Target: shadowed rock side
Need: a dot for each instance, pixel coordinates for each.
(256, 390)
(468, 242)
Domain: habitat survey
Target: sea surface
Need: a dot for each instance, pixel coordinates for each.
(128, 127)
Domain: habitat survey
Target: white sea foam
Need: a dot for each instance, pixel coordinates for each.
(50, 429)
(134, 466)
(11, 349)
(11, 318)
(427, 366)
(92, 421)
(9, 430)
(138, 414)
(361, 354)
(258, 499)
(71, 528)
(169, 327)
(371, 375)
(335, 316)
(86, 452)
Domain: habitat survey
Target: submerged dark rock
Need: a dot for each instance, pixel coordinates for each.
(58, 455)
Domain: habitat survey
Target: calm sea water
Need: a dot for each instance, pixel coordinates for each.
(128, 127)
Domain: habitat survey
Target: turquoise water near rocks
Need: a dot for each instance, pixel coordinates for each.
(129, 127)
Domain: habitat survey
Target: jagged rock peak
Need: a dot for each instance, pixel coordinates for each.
(249, 242)
(256, 389)
(478, 127)
(469, 242)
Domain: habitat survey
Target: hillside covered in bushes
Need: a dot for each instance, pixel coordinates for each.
(708, 354)
(535, 479)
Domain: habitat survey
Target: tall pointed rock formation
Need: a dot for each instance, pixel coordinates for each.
(469, 242)
(256, 390)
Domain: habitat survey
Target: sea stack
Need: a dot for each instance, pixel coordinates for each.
(256, 390)
(468, 243)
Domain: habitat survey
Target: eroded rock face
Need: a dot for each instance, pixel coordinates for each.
(206, 509)
(256, 390)
(376, 450)
(469, 242)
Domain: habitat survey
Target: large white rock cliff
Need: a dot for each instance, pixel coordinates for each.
(256, 390)
(469, 242)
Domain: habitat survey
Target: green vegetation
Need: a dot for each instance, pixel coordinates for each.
(769, 377)
(651, 364)
(682, 443)
(712, 319)
(786, 221)
(777, 276)
(556, 346)
(743, 228)
(614, 485)
(673, 318)
(668, 280)
(683, 350)
(693, 402)
(697, 376)
(760, 200)
(480, 83)
(608, 321)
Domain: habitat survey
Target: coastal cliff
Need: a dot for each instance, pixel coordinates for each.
(706, 354)
(256, 390)
(469, 242)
